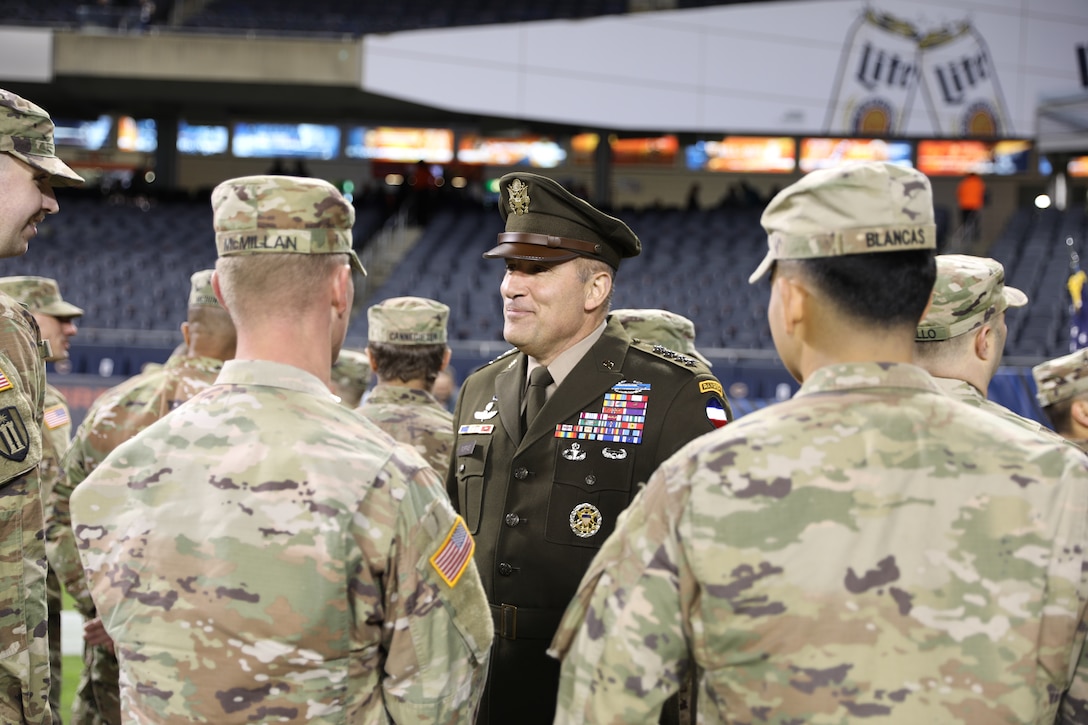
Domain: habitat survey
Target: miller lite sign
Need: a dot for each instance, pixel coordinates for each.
(877, 79)
(961, 88)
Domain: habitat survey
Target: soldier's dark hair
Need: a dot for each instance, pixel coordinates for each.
(407, 362)
(885, 289)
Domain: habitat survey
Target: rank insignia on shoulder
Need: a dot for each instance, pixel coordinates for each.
(5, 383)
(453, 557)
(711, 386)
(56, 417)
(14, 441)
(715, 413)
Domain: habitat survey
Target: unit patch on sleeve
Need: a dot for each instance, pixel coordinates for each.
(14, 441)
(715, 412)
(56, 417)
(453, 557)
(5, 383)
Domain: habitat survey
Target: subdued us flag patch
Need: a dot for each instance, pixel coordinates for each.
(452, 558)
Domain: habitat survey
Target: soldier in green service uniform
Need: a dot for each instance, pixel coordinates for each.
(1061, 388)
(117, 415)
(961, 339)
(406, 346)
(262, 553)
(56, 321)
(554, 437)
(350, 377)
(29, 169)
(871, 550)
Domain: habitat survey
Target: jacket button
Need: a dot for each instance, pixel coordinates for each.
(521, 474)
(591, 479)
(505, 569)
(512, 519)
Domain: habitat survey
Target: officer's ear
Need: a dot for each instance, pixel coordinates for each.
(985, 343)
(598, 289)
(794, 299)
(185, 332)
(343, 290)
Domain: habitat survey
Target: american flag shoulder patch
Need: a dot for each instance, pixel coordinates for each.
(56, 417)
(5, 383)
(453, 557)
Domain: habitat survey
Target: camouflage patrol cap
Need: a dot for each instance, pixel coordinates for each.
(351, 371)
(855, 208)
(969, 292)
(201, 292)
(1062, 378)
(26, 132)
(545, 222)
(661, 327)
(39, 294)
(282, 214)
(408, 321)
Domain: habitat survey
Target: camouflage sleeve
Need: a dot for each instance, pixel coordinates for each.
(438, 625)
(622, 640)
(64, 557)
(1074, 705)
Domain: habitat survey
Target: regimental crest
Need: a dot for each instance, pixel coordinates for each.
(519, 197)
(14, 441)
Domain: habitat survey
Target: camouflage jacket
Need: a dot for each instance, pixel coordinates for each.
(413, 417)
(118, 414)
(962, 390)
(56, 435)
(24, 672)
(264, 552)
(869, 549)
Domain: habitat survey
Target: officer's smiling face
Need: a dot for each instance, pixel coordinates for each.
(547, 307)
(25, 198)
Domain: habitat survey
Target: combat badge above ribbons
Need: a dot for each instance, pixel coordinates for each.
(585, 520)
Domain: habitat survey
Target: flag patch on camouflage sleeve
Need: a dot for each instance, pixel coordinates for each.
(5, 384)
(452, 558)
(56, 416)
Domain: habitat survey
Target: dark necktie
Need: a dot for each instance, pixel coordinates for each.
(539, 380)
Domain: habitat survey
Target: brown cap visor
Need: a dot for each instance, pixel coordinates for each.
(526, 245)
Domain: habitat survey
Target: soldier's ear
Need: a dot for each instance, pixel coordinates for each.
(1079, 412)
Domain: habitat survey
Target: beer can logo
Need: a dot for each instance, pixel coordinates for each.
(961, 88)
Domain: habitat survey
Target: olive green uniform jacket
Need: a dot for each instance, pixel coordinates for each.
(540, 506)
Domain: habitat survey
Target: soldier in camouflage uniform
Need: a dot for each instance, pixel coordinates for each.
(1061, 388)
(662, 327)
(29, 169)
(961, 339)
(117, 415)
(350, 377)
(263, 553)
(406, 344)
(871, 550)
(56, 321)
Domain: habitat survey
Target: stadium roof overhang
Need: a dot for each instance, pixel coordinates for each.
(1061, 124)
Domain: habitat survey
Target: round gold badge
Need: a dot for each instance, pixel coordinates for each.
(585, 520)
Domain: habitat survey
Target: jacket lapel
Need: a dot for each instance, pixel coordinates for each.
(508, 385)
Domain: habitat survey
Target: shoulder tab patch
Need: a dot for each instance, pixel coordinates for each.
(453, 557)
(56, 417)
(14, 440)
(711, 386)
